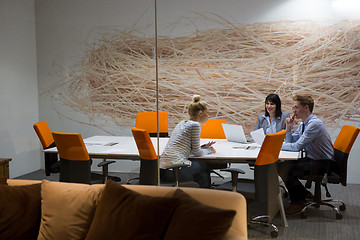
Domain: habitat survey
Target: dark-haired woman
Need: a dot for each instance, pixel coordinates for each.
(273, 120)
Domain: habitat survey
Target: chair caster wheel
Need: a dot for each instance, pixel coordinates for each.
(303, 215)
(339, 216)
(342, 208)
(274, 234)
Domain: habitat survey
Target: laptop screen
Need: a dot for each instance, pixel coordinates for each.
(234, 133)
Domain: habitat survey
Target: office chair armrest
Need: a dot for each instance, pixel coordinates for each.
(233, 170)
(252, 166)
(234, 174)
(324, 180)
(178, 166)
(105, 163)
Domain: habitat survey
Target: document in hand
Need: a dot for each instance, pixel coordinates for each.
(258, 136)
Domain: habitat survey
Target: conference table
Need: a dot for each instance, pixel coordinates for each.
(124, 147)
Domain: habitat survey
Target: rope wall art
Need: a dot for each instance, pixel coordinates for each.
(232, 68)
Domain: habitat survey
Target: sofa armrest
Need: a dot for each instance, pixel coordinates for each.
(18, 182)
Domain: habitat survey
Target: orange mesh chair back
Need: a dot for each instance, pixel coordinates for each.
(270, 148)
(44, 133)
(148, 122)
(342, 146)
(346, 138)
(74, 158)
(148, 157)
(45, 136)
(213, 129)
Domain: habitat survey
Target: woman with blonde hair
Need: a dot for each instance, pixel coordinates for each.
(185, 140)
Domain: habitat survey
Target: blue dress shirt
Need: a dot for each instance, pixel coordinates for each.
(315, 139)
(271, 127)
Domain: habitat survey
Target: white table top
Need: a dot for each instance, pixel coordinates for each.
(238, 152)
(124, 147)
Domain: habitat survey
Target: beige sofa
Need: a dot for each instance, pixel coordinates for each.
(68, 208)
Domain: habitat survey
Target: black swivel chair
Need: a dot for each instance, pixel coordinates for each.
(336, 173)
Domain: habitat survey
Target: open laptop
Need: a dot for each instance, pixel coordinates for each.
(234, 133)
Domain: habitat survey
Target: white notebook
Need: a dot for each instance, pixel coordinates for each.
(234, 133)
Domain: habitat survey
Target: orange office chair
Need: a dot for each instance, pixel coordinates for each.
(262, 192)
(74, 158)
(148, 121)
(52, 164)
(75, 162)
(213, 129)
(148, 157)
(148, 161)
(337, 171)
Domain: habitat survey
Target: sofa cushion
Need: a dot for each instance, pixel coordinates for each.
(20, 211)
(67, 209)
(125, 214)
(194, 220)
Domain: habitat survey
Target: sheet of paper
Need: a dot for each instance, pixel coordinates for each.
(258, 136)
(91, 143)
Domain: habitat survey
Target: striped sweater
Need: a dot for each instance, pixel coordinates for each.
(184, 140)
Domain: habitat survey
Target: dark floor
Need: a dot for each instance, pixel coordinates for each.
(320, 223)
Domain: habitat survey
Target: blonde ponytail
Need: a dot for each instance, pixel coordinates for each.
(196, 106)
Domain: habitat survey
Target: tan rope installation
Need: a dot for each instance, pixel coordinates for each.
(232, 68)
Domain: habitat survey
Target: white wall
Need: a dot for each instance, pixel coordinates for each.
(64, 26)
(19, 88)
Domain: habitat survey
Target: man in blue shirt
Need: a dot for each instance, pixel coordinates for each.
(310, 137)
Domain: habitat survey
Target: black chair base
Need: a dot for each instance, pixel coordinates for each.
(248, 191)
(264, 221)
(105, 171)
(130, 181)
(317, 202)
(97, 178)
(52, 164)
(338, 215)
